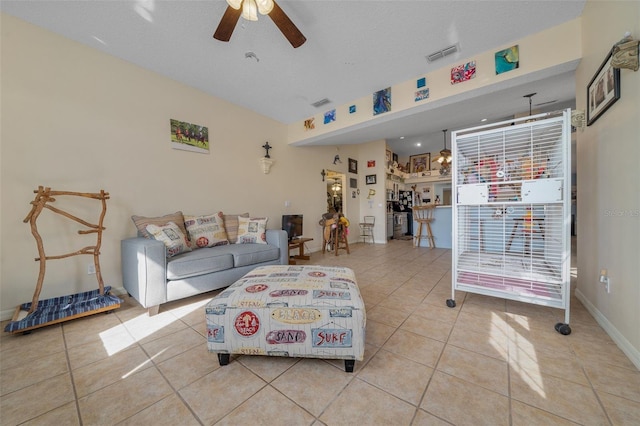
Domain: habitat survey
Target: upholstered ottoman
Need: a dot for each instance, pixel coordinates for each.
(287, 310)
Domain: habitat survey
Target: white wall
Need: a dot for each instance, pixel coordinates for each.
(556, 47)
(76, 119)
(608, 156)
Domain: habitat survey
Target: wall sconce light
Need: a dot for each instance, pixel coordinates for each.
(266, 162)
(624, 53)
(578, 119)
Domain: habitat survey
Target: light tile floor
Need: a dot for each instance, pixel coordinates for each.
(487, 361)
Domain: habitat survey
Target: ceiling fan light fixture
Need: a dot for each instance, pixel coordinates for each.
(235, 4)
(264, 6)
(249, 10)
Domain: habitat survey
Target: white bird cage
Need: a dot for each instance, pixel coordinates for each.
(511, 213)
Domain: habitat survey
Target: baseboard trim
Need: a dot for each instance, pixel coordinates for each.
(632, 353)
(7, 314)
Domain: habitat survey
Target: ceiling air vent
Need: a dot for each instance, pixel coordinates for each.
(442, 53)
(321, 102)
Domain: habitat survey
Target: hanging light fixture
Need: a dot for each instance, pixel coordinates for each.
(445, 157)
(530, 96)
(250, 8)
(336, 187)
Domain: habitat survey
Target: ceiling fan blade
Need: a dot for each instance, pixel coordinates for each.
(288, 28)
(227, 24)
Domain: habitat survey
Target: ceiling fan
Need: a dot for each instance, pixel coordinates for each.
(248, 10)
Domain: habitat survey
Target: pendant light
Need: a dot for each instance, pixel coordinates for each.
(530, 96)
(445, 157)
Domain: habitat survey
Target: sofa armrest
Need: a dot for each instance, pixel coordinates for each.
(280, 239)
(144, 270)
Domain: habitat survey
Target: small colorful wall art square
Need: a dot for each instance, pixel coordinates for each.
(463, 72)
(382, 101)
(507, 59)
(329, 116)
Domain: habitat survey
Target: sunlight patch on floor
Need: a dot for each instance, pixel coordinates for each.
(520, 353)
(124, 335)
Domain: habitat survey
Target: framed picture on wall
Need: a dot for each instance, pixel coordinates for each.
(353, 183)
(603, 90)
(370, 179)
(420, 163)
(353, 166)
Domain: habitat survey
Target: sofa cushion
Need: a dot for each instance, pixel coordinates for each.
(141, 222)
(252, 230)
(206, 231)
(231, 226)
(199, 262)
(250, 254)
(170, 234)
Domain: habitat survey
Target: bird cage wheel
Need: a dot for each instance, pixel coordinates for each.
(563, 328)
(451, 303)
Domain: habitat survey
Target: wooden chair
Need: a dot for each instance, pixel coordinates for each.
(423, 215)
(366, 228)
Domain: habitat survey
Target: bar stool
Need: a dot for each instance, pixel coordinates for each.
(340, 238)
(366, 228)
(424, 215)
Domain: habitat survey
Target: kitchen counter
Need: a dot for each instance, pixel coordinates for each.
(441, 227)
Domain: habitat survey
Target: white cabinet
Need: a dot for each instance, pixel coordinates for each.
(511, 211)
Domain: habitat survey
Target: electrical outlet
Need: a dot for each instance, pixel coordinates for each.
(91, 268)
(604, 279)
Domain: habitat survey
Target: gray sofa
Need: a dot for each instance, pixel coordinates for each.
(152, 279)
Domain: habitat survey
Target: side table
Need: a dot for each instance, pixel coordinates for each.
(298, 243)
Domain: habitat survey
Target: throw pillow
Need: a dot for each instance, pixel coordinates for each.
(141, 222)
(172, 237)
(206, 231)
(231, 226)
(252, 230)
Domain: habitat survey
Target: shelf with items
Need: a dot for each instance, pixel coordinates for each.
(430, 176)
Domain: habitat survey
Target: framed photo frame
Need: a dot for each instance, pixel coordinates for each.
(353, 183)
(603, 90)
(370, 179)
(420, 163)
(353, 166)
(388, 157)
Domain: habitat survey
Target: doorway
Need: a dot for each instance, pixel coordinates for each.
(335, 192)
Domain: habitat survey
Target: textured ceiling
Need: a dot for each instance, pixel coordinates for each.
(353, 48)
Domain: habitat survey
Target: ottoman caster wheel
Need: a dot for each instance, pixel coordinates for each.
(451, 303)
(223, 359)
(563, 328)
(348, 365)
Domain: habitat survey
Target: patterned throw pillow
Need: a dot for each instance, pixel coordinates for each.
(231, 226)
(141, 222)
(206, 231)
(172, 237)
(252, 230)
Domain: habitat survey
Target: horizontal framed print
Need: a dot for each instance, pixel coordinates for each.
(370, 179)
(603, 90)
(189, 137)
